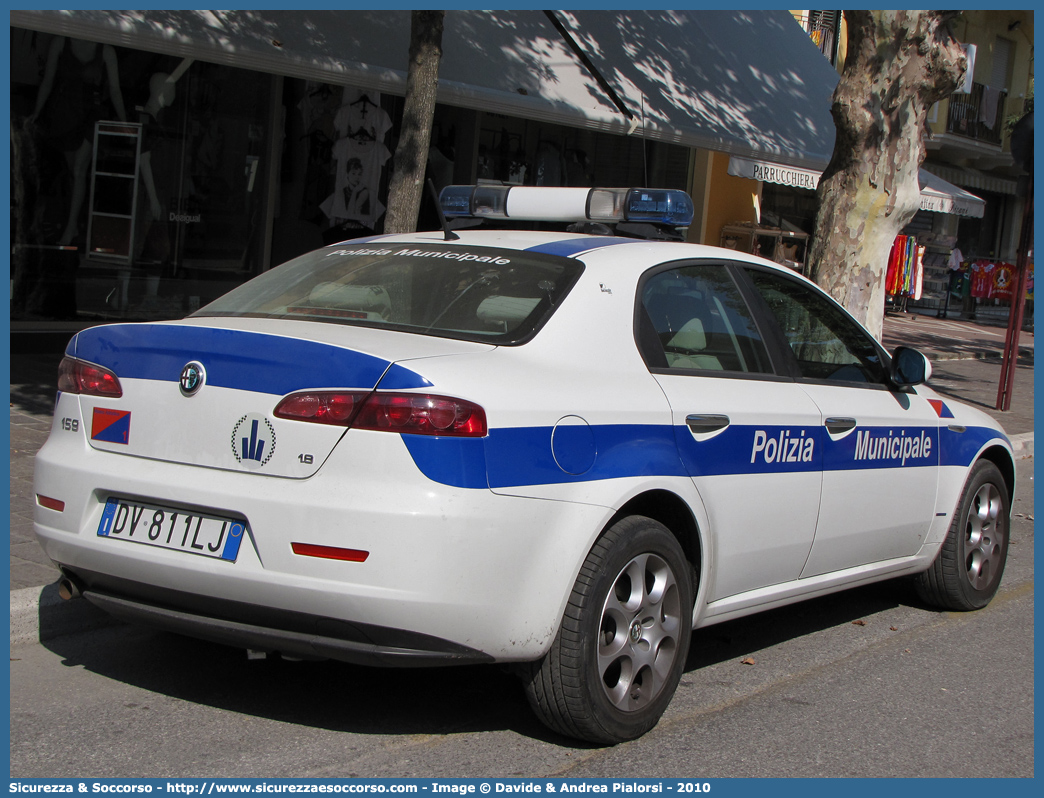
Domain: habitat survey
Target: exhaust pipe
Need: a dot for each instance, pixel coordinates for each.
(68, 589)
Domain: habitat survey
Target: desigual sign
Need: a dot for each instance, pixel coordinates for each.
(184, 218)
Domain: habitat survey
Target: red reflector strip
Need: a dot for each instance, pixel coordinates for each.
(329, 552)
(50, 504)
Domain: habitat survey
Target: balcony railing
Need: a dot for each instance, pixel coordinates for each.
(971, 113)
(822, 26)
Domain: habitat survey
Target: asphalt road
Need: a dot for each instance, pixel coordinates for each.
(864, 683)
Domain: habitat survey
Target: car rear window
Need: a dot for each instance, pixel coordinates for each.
(454, 291)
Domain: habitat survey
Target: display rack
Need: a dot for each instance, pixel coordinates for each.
(783, 246)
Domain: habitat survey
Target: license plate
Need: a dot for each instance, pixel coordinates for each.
(154, 525)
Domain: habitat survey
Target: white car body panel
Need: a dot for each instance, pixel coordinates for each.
(478, 541)
(763, 548)
(444, 554)
(870, 514)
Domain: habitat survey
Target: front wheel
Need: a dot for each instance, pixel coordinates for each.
(967, 571)
(621, 648)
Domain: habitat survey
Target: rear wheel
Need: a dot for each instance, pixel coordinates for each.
(967, 571)
(621, 648)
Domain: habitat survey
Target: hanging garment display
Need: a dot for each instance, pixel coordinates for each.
(359, 157)
(896, 257)
(905, 275)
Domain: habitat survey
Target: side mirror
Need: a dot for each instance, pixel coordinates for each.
(909, 367)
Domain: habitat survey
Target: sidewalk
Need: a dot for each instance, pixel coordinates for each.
(966, 363)
(965, 358)
(952, 338)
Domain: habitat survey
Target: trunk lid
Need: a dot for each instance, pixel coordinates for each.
(244, 367)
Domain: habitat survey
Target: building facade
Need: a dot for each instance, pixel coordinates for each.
(159, 158)
(968, 146)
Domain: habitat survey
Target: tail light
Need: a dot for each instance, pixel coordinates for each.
(410, 413)
(77, 376)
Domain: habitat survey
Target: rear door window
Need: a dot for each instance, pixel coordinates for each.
(693, 318)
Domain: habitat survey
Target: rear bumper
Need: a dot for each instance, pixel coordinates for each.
(265, 629)
(485, 572)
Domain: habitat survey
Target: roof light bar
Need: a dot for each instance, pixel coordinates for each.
(556, 204)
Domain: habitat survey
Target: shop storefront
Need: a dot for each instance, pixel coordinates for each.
(145, 185)
(158, 159)
(923, 253)
(139, 181)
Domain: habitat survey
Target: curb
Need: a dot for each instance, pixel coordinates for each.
(1022, 445)
(1025, 357)
(39, 614)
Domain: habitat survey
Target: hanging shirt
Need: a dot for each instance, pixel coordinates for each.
(359, 158)
(358, 178)
(909, 265)
(361, 115)
(982, 279)
(1003, 281)
(917, 289)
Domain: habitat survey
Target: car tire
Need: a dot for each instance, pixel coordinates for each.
(621, 648)
(967, 571)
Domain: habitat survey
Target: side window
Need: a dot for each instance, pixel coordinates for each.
(695, 318)
(827, 343)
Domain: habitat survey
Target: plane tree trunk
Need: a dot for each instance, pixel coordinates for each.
(899, 63)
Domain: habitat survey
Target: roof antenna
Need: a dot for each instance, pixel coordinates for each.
(450, 235)
(645, 155)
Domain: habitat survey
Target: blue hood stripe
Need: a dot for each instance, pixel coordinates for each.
(247, 361)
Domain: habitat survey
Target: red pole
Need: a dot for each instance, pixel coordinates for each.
(1018, 306)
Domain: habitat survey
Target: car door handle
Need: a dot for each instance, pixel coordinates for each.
(835, 426)
(704, 422)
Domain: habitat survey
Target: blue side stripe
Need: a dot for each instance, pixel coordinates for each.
(237, 359)
(573, 246)
(458, 462)
(883, 447)
(522, 456)
(519, 456)
(958, 448)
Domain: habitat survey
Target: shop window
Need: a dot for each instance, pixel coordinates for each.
(138, 180)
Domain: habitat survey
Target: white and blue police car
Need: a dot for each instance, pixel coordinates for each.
(560, 450)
